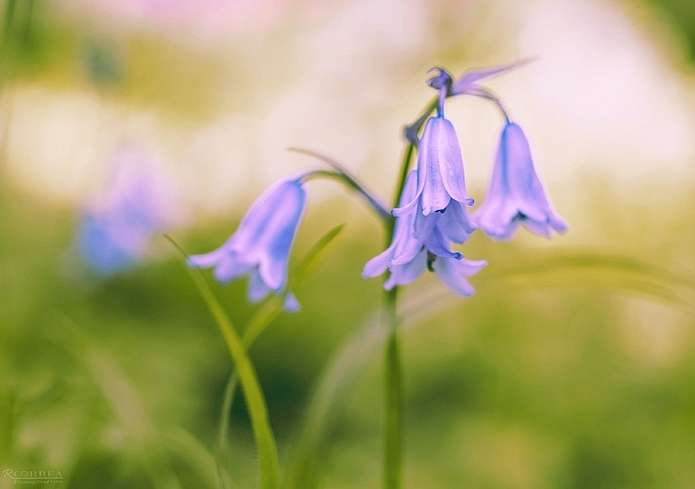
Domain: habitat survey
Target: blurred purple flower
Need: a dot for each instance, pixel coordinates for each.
(515, 195)
(261, 245)
(440, 177)
(415, 248)
(114, 232)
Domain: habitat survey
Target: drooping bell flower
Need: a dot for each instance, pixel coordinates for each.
(409, 256)
(440, 176)
(261, 245)
(515, 194)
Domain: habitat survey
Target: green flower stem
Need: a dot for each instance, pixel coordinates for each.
(258, 410)
(393, 433)
(344, 176)
(393, 382)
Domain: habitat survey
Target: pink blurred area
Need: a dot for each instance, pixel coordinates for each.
(213, 16)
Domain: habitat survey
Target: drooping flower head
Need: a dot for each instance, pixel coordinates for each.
(411, 253)
(137, 203)
(260, 247)
(515, 194)
(440, 174)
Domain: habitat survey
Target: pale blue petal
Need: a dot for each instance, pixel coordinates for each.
(452, 272)
(424, 225)
(516, 194)
(472, 77)
(450, 160)
(291, 303)
(436, 243)
(409, 197)
(258, 290)
(408, 272)
(253, 224)
(539, 228)
(208, 260)
(456, 224)
(434, 195)
(379, 264)
(230, 268)
(557, 223)
(277, 236)
(524, 186)
(498, 210)
(402, 242)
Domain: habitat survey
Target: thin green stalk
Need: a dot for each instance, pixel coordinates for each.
(393, 434)
(258, 410)
(267, 313)
(393, 378)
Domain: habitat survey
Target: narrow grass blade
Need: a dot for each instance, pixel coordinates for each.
(255, 401)
(267, 313)
(192, 452)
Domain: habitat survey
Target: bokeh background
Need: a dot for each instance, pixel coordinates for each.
(572, 367)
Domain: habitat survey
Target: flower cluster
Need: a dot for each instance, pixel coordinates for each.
(433, 207)
(431, 217)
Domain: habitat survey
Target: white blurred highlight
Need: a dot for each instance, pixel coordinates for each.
(600, 96)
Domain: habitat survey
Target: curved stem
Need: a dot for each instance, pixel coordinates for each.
(344, 176)
(482, 93)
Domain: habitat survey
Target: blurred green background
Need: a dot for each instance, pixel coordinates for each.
(573, 366)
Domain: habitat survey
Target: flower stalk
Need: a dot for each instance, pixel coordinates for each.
(393, 379)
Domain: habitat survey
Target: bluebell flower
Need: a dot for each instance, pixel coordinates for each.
(260, 247)
(440, 177)
(114, 232)
(515, 194)
(414, 249)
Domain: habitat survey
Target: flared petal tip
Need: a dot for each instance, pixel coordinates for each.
(291, 303)
(377, 265)
(558, 223)
(206, 260)
(405, 209)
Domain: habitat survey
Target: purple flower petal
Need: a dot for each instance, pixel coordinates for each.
(258, 290)
(408, 272)
(452, 272)
(291, 304)
(472, 77)
(261, 245)
(434, 195)
(515, 194)
(379, 264)
(456, 224)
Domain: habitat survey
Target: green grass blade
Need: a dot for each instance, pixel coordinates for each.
(192, 452)
(313, 257)
(255, 401)
(267, 313)
(273, 306)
